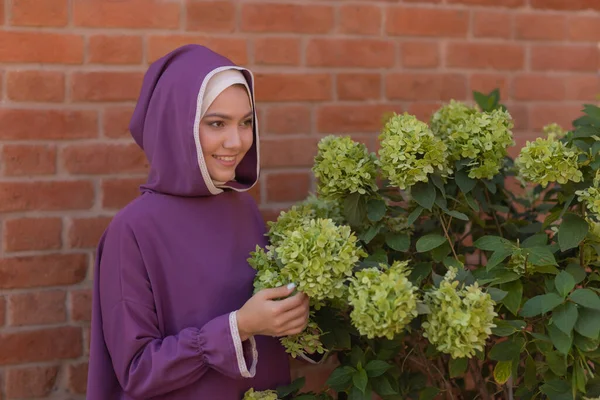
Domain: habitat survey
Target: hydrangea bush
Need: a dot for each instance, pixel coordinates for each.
(439, 267)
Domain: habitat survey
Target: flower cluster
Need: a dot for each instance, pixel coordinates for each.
(554, 131)
(591, 195)
(460, 319)
(323, 208)
(383, 301)
(306, 342)
(343, 166)
(518, 262)
(548, 160)
(481, 137)
(264, 395)
(409, 151)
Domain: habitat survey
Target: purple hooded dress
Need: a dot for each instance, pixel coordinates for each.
(171, 268)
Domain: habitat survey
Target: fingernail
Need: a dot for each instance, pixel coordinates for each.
(291, 286)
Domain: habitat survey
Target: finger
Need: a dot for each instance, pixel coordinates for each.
(291, 315)
(296, 327)
(291, 303)
(279, 292)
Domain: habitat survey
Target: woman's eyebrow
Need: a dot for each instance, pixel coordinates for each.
(227, 117)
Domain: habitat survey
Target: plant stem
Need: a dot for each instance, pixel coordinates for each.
(509, 385)
(487, 197)
(481, 386)
(447, 235)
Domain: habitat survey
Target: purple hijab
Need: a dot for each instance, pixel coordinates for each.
(171, 268)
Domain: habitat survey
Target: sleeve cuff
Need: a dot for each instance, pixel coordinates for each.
(239, 349)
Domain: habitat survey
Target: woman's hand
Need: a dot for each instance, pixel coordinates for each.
(264, 315)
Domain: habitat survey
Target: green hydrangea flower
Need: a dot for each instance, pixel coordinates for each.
(518, 262)
(481, 137)
(383, 301)
(343, 166)
(319, 257)
(264, 395)
(591, 198)
(548, 160)
(324, 208)
(306, 342)
(460, 319)
(409, 151)
(554, 131)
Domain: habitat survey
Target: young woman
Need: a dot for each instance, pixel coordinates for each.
(173, 312)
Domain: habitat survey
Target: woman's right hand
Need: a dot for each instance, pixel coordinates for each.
(264, 315)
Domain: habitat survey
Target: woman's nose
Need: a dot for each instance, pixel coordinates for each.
(233, 140)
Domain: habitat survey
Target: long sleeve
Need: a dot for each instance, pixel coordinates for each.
(147, 364)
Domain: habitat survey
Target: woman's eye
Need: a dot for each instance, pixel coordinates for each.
(247, 122)
(217, 124)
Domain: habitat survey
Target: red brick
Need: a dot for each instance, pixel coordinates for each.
(210, 16)
(584, 28)
(78, 374)
(232, 48)
(295, 18)
(541, 26)
(2, 310)
(46, 195)
(40, 345)
(117, 193)
(31, 381)
(106, 86)
(45, 86)
(485, 56)
(493, 3)
(115, 49)
(367, 53)
(40, 47)
(27, 124)
(115, 121)
(271, 214)
(583, 87)
(360, 19)
(293, 87)
(39, 308)
(423, 110)
(297, 152)
(86, 232)
(565, 58)
(287, 187)
(420, 54)
(492, 24)
(541, 115)
(485, 83)
(426, 86)
(277, 51)
(39, 13)
(286, 119)
(42, 271)
(81, 305)
(135, 14)
(355, 86)
(352, 118)
(104, 158)
(566, 5)
(2, 23)
(255, 192)
(22, 159)
(520, 115)
(24, 234)
(86, 339)
(414, 21)
(538, 87)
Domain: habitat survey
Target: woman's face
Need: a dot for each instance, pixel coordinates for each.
(226, 132)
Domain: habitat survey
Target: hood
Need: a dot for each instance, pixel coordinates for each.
(165, 124)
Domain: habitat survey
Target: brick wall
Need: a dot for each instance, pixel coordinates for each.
(70, 71)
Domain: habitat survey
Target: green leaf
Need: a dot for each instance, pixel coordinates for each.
(419, 272)
(579, 377)
(507, 327)
(492, 243)
(540, 304)
(560, 340)
(424, 194)
(496, 294)
(540, 239)
(355, 209)
(291, 388)
(437, 181)
(463, 181)
(382, 386)
(376, 210)
(507, 350)
(429, 393)
(472, 203)
(429, 242)
(571, 231)
(457, 215)
(457, 366)
(356, 394)
(564, 317)
(564, 283)
(540, 255)
(497, 257)
(502, 371)
(530, 373)
(376, 368)
(357, 356)
(370, 234)
(512, 301)
(557, 363)
(585, 344)
(414, 215)
(588, 323)
(576, 272)
(586, 298)
(340, 378)
(398, 241)
(360, 380)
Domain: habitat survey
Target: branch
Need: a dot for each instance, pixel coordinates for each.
(487, 197)
(481, 386)
(447, 235)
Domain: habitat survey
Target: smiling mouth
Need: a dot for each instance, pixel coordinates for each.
(225, 158)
